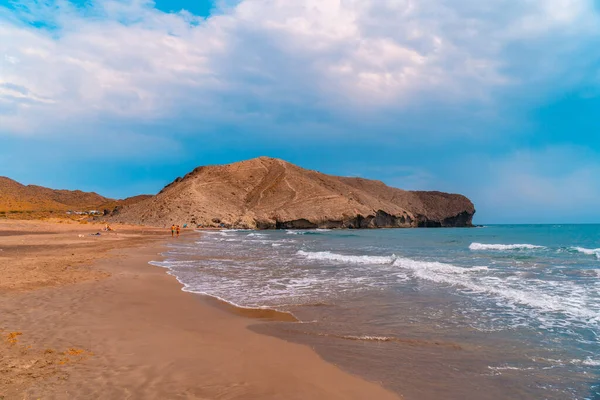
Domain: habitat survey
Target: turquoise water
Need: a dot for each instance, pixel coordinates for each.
(510, 309)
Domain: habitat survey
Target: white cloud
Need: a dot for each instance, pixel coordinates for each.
(256, 60)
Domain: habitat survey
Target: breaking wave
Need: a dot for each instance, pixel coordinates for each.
(503, 247)
(329, 256)
(588, 362)
(518, 281)
(311, 232)
(545, 297)
(385, 260)
(589, 252)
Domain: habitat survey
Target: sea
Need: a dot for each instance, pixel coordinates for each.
(493, 312)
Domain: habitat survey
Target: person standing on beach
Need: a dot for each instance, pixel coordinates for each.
(178, 230)
(172, 230)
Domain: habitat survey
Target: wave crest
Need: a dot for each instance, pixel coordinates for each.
(589, 252)
(329, 256)
(504, 247)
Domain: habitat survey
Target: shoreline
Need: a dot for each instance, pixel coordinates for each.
(136, 333)
(258, 313)
(261, 313)
(420, 340)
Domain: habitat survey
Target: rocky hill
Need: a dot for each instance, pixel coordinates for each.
(15, 197)
(115, 205)
(267, 193)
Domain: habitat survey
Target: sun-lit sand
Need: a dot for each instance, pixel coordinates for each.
(86, 317)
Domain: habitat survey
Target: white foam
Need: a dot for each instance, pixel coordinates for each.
(171, 263)
(257, 284)
(504, 247)
(550, 303)
(350, 259)
(256, 235)
(509, 368)
(587, 362)
(545, 297)
(368, 338)
(221, 232)
(287, 241)
(589, 252)
(592, 363)
(383, 260)
(422, 267)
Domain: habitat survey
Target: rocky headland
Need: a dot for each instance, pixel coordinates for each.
(268, 193)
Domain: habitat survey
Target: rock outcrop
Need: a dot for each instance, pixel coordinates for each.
(268, 193)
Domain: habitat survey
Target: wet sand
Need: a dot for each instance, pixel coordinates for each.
(423, 361)
(87, 317)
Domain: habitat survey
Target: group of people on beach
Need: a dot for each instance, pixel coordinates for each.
(175, 230)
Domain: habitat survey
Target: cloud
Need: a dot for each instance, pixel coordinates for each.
(411, 92)
(553, 184)
(261, 63)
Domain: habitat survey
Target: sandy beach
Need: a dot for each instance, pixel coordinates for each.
(87, 317)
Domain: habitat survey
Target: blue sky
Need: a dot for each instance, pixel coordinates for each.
(498, 100)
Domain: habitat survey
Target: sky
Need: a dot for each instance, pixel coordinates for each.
(498, 100)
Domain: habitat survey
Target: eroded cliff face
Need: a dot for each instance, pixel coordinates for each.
(380, 219)
(267, 193)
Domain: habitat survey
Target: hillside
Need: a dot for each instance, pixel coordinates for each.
(18, 198)
(268, 193)
(113, 205)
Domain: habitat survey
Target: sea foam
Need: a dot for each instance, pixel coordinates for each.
(540, 297)
(588, 362)
(393, 260)
(589, 252)
(350, 259)
(254, 234)
(504, 247)
(549, 297)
